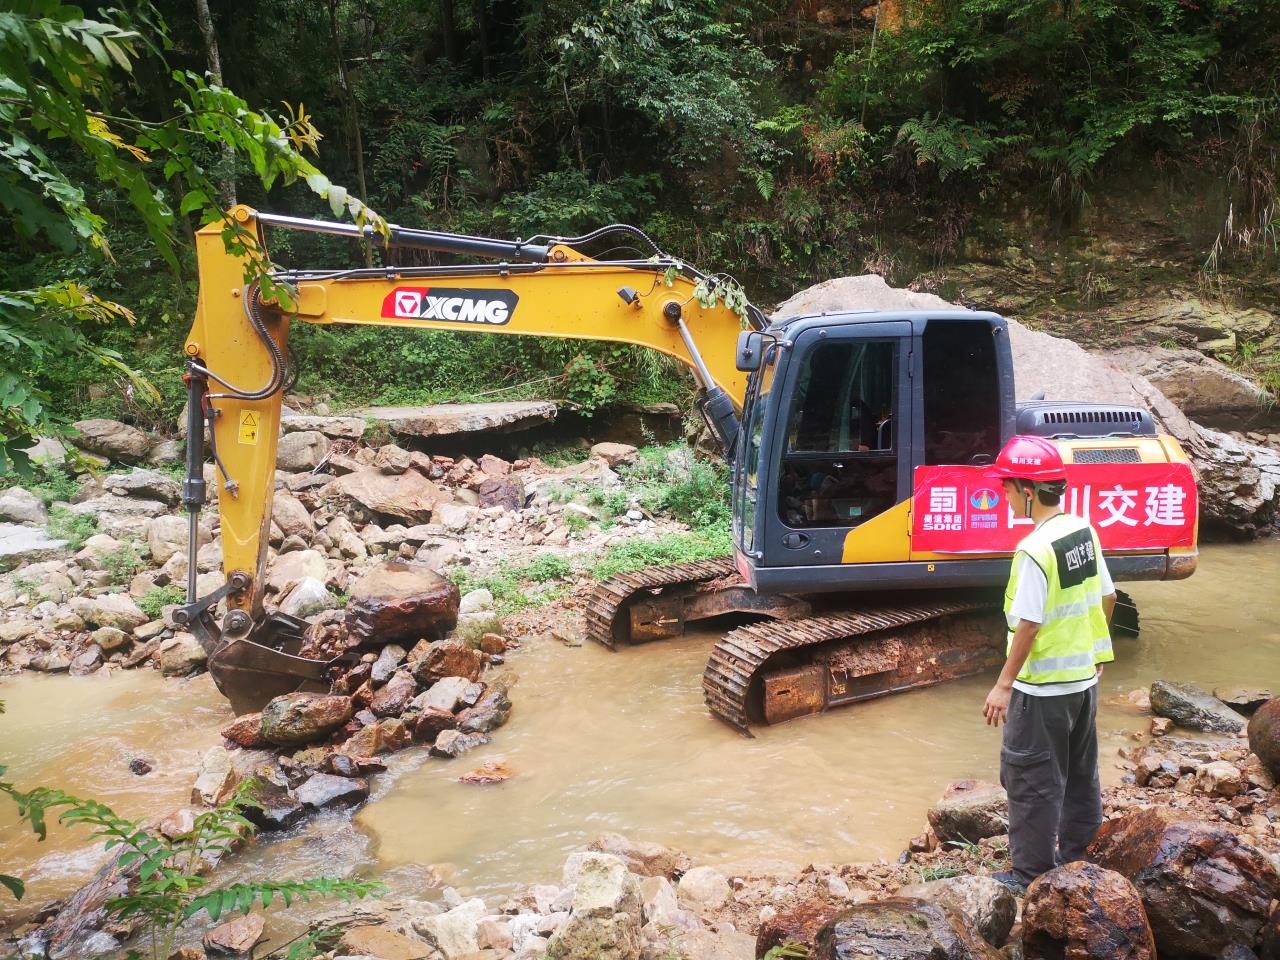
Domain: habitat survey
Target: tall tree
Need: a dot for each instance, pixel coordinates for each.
(227, 175)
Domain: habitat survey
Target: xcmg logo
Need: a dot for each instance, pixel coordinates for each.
(450, 305)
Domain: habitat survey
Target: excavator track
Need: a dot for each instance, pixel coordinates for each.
(733, 676)
(607, 602)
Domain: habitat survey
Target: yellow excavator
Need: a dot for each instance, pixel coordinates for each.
(868, 551)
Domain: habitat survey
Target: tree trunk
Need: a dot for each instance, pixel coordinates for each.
(352, 110)
(448, 29)
(226, 175)
(482, 26)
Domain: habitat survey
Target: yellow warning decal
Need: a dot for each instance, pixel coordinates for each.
(248, 427)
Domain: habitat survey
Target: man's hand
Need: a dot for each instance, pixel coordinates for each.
(996, 709)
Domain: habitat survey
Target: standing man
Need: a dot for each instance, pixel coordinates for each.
(1058, 607)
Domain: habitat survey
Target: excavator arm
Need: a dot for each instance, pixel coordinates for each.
(238, 371)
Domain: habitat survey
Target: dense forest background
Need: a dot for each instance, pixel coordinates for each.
(781, 142)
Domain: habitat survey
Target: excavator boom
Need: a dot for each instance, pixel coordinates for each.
(238, 370)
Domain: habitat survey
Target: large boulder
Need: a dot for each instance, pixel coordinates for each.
(452, 419)
(986, 905)
(409, 495)
(396, 600)
(22, 506)
(297, 718)
(300, 451)
(970, 810)
(110, 610)
(1189, 706)
(112, 439)
(168, 536)
(452, 934)
(307, 598)
(1081, 910)
(900, 927)
(288, 513)
(1203, 887)
(1264, 736)
(145, 484)
(1198, 384)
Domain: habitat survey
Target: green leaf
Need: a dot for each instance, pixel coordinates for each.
(13, 885)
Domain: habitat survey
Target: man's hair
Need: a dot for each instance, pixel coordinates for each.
(1048, 498)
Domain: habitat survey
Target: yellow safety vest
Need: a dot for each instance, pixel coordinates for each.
(1073, 636)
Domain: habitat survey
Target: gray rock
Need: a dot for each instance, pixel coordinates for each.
(293, 519)
(389, 658)
(476, 601)
(969, 811)
(109, 610)
(309, 597)
(351, 428)
(451, 419)
(112, 439)
(181, 654)
(409, 495)
(453, 933)
(325, 790)
(445, 694)
(1196, 383)
(1189, 706)
(489, 713)
(20, 544)
(300, 451)
(289, 569)
(86, 662)
(984, 904)
(111, 638)
(604, 920)
(451, 744)
(900, 927)
(47, 450)
(144, 484)
(120, 507)
(1243, 699)
(167, 536)
(704, 886)
(165, 451)
(22, 506)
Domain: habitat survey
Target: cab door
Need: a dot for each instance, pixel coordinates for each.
(841, 439)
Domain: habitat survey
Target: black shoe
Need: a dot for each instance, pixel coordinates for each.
(1010, 881)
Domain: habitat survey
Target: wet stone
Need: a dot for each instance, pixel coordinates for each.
(140, 766)
(297, 718)
(1083, 910)
(391, 699)
(277, 809)
(899, 927)
(1243, 700)
(401, 601)
(235, 938)
(1189, 706)
(389, 658)
(1203, 887)
(325, 790)
(246, 731)
(454, 743)
(1264, 736)
(431, 723)
(642, 858)
(986, 905)
(970, 810)
(491, 712)
(799, 924)
(86, 662)
(448, 659)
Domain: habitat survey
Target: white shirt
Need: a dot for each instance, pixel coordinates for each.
(1028, 604)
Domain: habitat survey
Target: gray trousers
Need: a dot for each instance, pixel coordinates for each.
(1049, 768)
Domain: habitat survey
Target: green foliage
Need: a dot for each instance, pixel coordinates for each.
(169, 889)
(633, 554)
(588, 386)
(153, 602)
(514, 586)
(63, 76)
(549, 566)
(75, 528)
(123, 563)
(52, 483)
(671, 481)
(787, 949)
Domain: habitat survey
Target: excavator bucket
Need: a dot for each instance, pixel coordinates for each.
(251, 670)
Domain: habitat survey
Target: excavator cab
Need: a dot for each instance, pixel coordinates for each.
(840, 410)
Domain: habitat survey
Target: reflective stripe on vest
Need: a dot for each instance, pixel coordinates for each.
(1073, 637)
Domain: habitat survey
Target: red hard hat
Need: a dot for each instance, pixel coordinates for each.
(1030, 458)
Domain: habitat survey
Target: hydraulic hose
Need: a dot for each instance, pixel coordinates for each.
(279, 368)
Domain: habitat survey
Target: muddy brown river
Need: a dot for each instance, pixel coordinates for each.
(601, 741)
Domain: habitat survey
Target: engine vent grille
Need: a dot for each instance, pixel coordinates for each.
(1122, 417)
(1107, 455)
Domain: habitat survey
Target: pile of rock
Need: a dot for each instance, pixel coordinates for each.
(343, 510)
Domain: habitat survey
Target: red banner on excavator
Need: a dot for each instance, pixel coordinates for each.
(1133, 506)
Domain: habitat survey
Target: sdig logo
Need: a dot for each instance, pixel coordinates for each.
(450, 304)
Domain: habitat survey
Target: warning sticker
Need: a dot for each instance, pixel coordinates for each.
(248, 427)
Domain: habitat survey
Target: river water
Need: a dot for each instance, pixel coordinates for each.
(600, 741)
